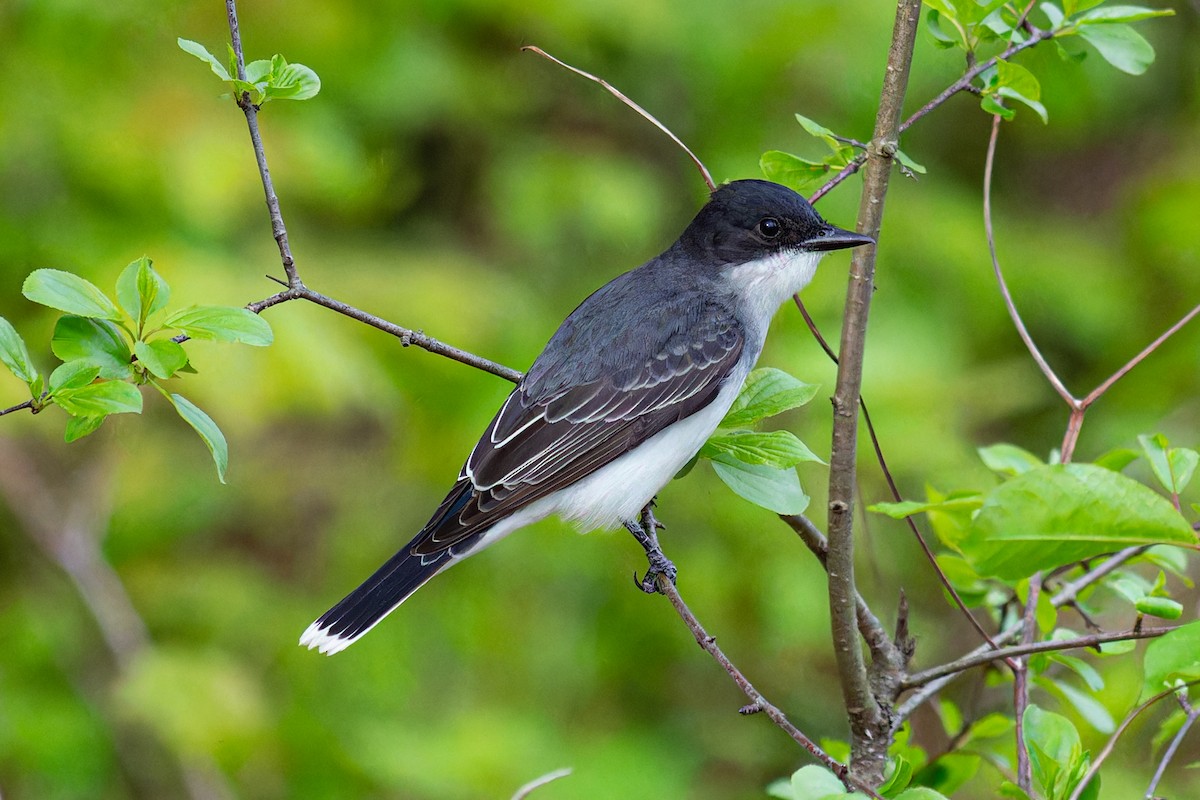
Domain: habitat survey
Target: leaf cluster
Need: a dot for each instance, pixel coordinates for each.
(108, 349)
(266, 80)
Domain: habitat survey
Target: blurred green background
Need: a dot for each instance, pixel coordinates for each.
(448, 182)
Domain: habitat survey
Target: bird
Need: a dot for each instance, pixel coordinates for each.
(623, 396)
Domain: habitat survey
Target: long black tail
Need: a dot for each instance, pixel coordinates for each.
(362, 609)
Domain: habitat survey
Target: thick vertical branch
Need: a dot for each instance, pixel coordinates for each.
(868, 726)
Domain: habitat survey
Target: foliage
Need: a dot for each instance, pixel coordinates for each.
(108, 351)
(439, 178)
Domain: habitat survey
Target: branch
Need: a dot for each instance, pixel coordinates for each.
(758, 703)
(868, 748)
(1190, 714)
(615, 92)
(1021, 685)
(1106, 751)
(954, 668)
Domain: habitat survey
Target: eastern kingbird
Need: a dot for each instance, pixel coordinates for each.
(625, 393)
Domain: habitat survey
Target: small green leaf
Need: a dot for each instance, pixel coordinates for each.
(1173, 466)
(1112, 14)
(79, 427)
(1054, 749)
(779, 449)
(1121, 46)
(767, 392)
(793, 171)
(1161, 607)
(201, 52)
(908, 163)
(96, 341)
(942, 38)
(258, 72)
(921, 793)
(1008, 459)
(292, 82)
(14, 354)
(72, 375)
(992, 726)
(222, 323)
(949, 772)
(1054, 515)
(68, 292)
(1172, 658)
(208, 430)
(100, 399)
(141, 291)
(1117, 459)
(812, 781)
(991, 105)
(1017, 83)
(162, 357)
(897, 777)
(819, 131)
(909, 507)
(775, 489)
(1089, 708)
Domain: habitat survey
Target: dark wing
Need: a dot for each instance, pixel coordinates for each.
(564, 421)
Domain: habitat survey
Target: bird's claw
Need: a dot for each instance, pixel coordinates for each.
(659, 565)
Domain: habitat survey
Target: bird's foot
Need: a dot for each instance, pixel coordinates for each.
(659, 564)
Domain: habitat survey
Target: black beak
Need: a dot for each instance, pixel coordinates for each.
(832, 237)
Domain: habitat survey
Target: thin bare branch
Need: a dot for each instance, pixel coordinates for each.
(758, 703)
(1106, 751)
(615, 92)
(1190, 714)
(1043, 365)
(18, 407)
(1021, 684)
(1133, 362)
(539, 782)
(967, 662)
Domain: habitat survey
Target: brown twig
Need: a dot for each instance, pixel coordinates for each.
(758, 703)
(1106, 751)
(1190, 713)
(1021, 684)
(615, 92)
(958, 666)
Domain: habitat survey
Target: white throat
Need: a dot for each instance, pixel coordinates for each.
(764, 284)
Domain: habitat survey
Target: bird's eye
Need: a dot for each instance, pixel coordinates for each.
(769, 227)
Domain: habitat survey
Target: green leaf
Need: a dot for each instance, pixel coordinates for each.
(1172, 658)
(779, 449)
(908, 163)
(991, 105)
(1112, 14)
(14, 354)
(95, 341)
(941, 37)
(1054, 749)
(72, 375)
(1161, 607)
(1080, 667)
(897, 776)
(812, 781)
(767, 392)
(1086, 704)
(1121, 46)
(949, 772)
(222, 323)
(921, 793)
(141, 291)
(1117, 459)
(201, 52)
(819, 131)
(100, 399)
(79, 427)
(162, 357)
(258, 72)
(292, 82)
(208, 430)
(1008, 459)
(1173, 466)
(909, 507)
(775, 489)
(68, 292)
(1054, 515)
(793, 171)
(1017, 83)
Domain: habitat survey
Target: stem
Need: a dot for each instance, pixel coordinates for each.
(1191, 714)
(868, 727)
